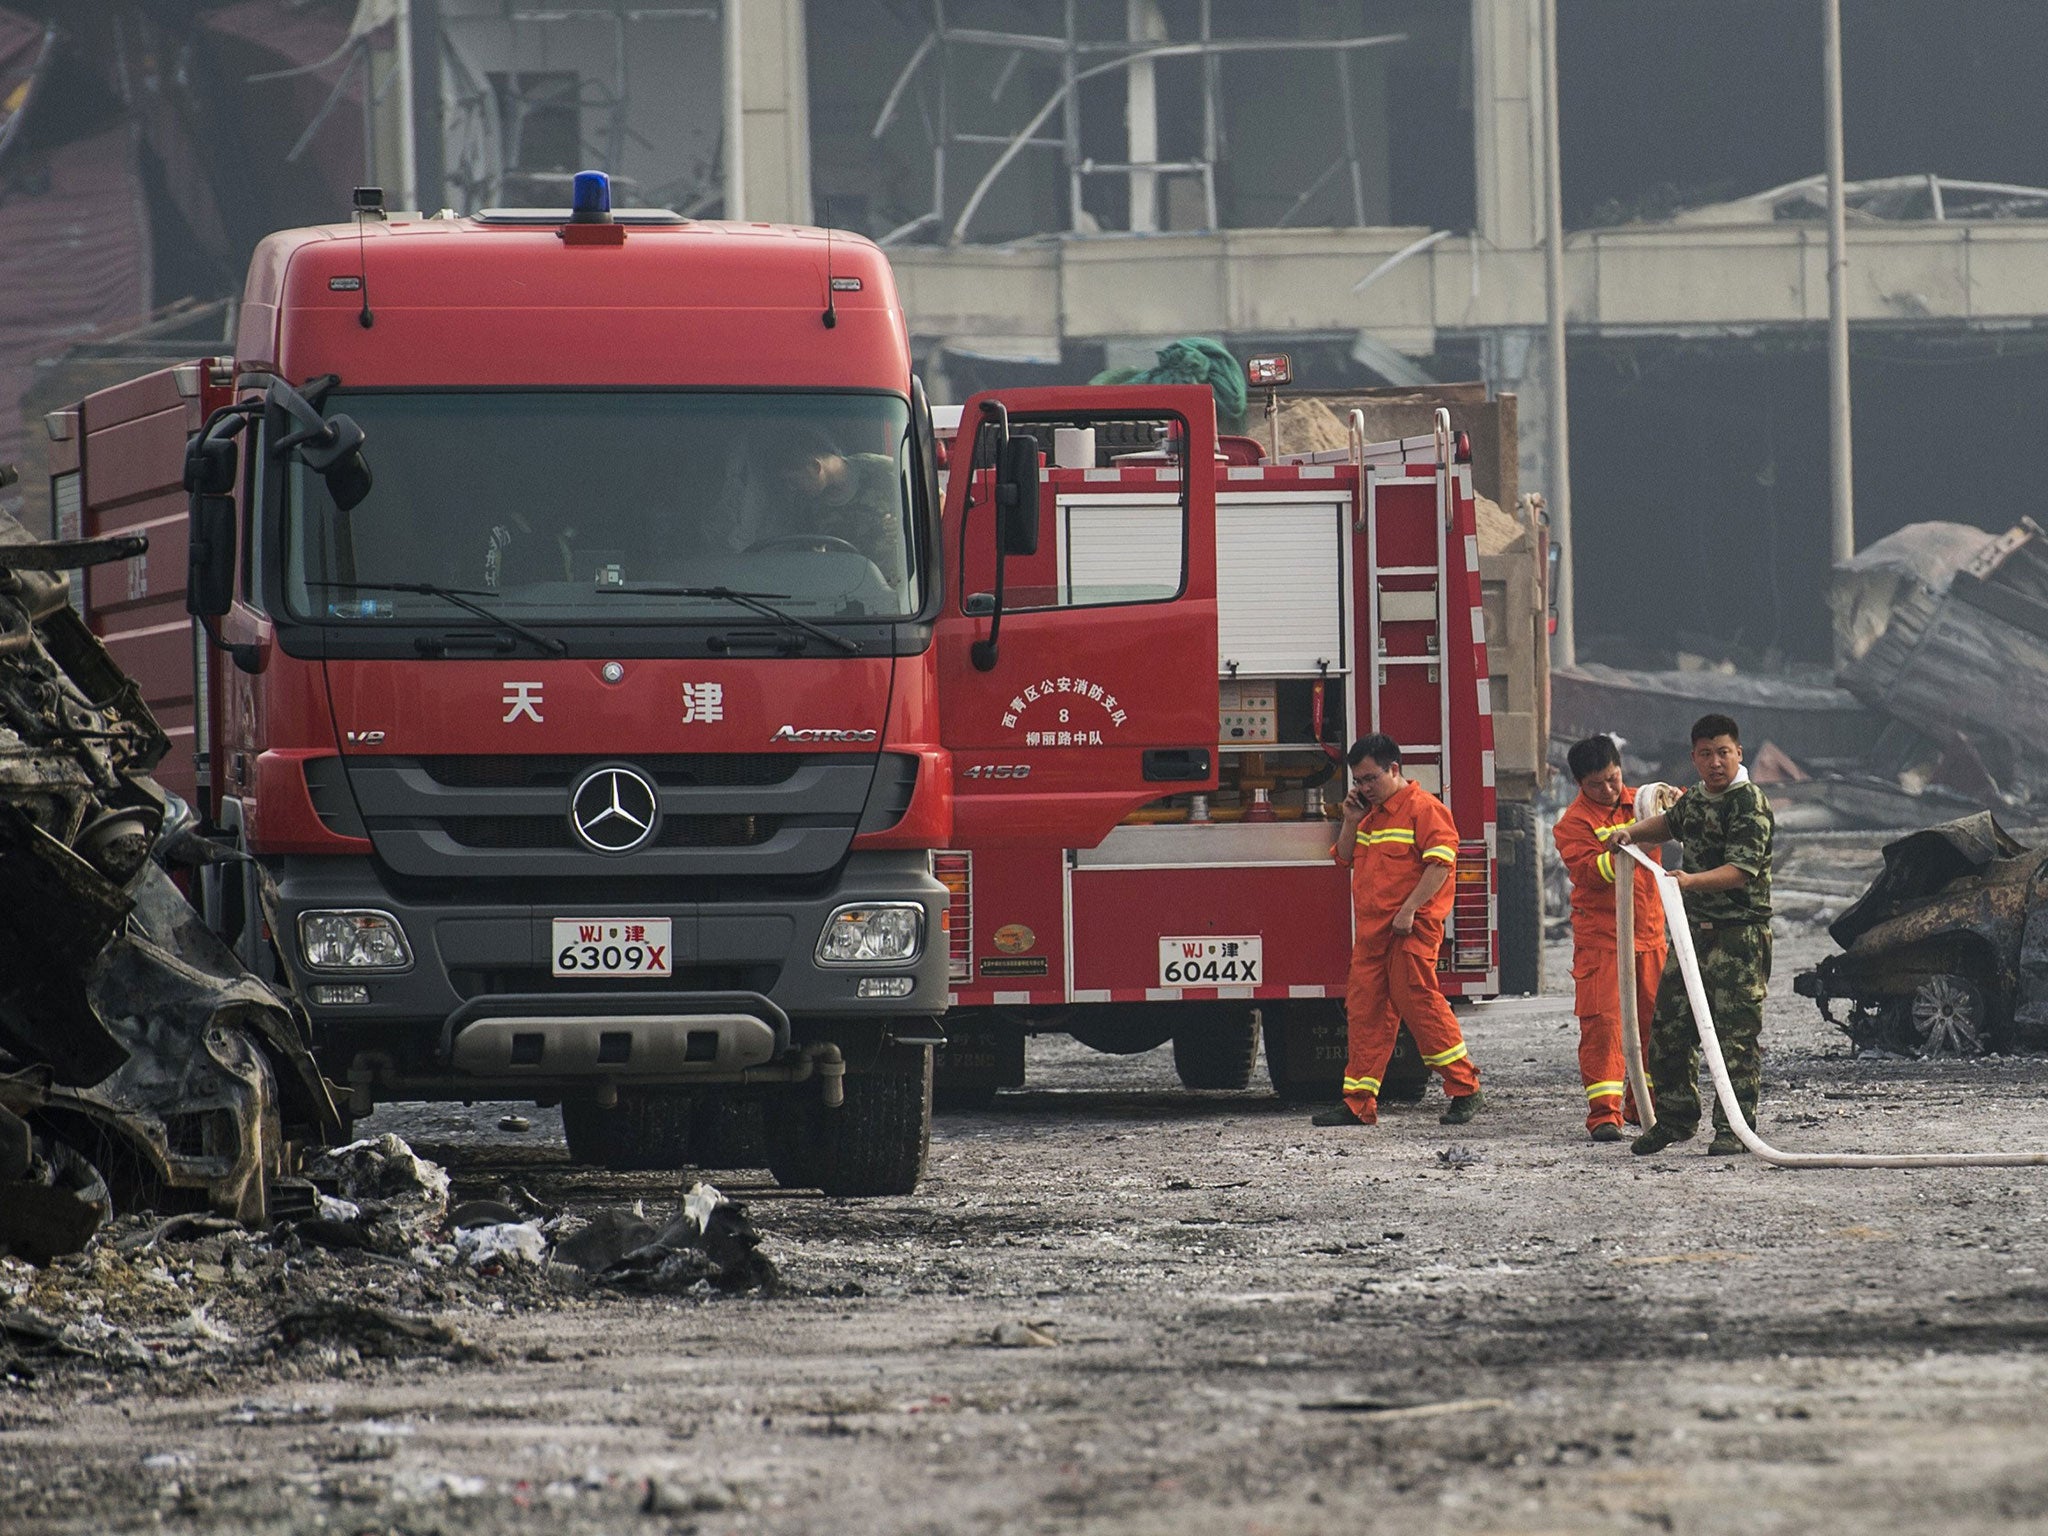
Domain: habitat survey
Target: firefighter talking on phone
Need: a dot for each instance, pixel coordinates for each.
(1402, 847)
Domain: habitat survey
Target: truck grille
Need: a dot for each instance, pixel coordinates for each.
(708, 770)
(501, 980)
(543, 832)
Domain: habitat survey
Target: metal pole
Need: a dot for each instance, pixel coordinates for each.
(1560, 487)
(1841, 482)
(1070, 123)
(735, 117)
(1141, 115)
(408, 146)
(1210, 80)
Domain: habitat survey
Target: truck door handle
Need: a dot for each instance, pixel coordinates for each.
(1171, 765)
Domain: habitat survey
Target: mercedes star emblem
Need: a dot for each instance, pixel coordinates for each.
(613, 809)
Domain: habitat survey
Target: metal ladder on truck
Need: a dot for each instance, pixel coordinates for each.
(1410, 685)
(1409, 598)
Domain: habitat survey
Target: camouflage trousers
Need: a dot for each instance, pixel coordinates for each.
(1735, 966)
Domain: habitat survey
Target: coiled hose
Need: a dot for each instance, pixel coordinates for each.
(1680, 933)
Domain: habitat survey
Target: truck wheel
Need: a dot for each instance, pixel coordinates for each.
(1306, 1044)
(873, 1144)
(1520, 901)
(647, 1130)
(727, 1130)
(1217, 1049)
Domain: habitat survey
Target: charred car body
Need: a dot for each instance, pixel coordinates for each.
(139, 1062)
(1947, 952)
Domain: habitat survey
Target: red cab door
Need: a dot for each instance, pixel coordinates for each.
(1103, 693)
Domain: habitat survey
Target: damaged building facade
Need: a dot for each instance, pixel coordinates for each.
(1064, 185)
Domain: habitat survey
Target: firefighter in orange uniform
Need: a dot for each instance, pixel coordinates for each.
(1402, 847)
(1582, 834)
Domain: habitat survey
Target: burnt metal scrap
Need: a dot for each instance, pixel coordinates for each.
(140, 1064)
(1947, 952)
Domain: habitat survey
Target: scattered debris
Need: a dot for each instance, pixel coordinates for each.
(1021, 1335)
(372, 1330)
(604, 1239)
(666, 1497)
(1962, 656)
(397, 1199)
(1457, 1159)
(132, 1042)
(711, 1245)
(1383, 1410)
(512, 1242)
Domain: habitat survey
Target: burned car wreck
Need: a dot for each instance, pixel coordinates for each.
(140, 1064)
(1947, 952)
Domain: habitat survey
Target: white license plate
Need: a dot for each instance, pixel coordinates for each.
(1206, 962)
(613, 946)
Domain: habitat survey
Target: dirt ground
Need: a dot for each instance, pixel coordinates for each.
(1230, 1322)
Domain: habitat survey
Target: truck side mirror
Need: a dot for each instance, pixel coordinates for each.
(210, 556)
(348, 477)
(330, 446)
(211, 464)
(1017, 495)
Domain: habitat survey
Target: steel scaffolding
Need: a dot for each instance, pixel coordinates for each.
(1081, 59)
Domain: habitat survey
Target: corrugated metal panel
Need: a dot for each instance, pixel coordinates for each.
(1279, 576)
(1119, 549)
(1279, 599)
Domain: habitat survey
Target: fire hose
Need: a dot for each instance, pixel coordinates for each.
(1710, 1044)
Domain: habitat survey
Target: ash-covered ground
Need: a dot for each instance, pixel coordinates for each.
(1117, 1306)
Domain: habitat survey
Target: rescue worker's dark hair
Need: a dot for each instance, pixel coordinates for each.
(1588, 757)
(1382, 749)
(1707, 727)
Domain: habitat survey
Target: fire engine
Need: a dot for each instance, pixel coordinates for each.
(550, 611)
(1347, 601)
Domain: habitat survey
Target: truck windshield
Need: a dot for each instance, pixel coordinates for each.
(554, 506)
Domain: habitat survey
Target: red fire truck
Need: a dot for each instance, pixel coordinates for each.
(579, 690)
(1347, 601)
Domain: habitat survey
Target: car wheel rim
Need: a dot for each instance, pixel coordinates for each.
(1945, 1017)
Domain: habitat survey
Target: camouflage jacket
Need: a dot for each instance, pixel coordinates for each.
(1733, 827)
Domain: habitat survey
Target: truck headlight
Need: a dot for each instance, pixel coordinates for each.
(883, 932)
(353, 941)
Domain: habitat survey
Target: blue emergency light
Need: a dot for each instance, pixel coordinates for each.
(590, 201)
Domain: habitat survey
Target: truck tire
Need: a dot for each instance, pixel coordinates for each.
(647, 1130)
(1307, 1043)
(1217, 1049)
(875, 1143)
(1520, 902)
(727, 1130)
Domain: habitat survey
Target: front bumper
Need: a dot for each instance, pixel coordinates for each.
(747, 988)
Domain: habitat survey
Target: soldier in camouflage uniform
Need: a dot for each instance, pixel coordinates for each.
(1724, 825)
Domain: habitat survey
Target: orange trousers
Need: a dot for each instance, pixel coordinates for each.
(1386, 988)
(1597, 983)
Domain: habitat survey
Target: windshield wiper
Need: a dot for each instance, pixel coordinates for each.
(758, 602)
(460, 597)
